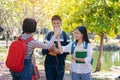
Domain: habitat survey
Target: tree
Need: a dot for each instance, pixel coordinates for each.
(13, 13)
(101, 17)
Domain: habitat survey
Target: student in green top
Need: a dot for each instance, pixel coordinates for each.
(80, 71)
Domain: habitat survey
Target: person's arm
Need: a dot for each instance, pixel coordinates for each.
(50, 43)
(78, 59)
(59, 50)
(66, 43)
(66, 48)
(45, 51)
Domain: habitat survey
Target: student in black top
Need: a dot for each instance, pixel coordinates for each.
(54, 62)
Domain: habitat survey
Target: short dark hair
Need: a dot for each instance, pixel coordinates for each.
(56, 17)
(29, 25)
(83, 30)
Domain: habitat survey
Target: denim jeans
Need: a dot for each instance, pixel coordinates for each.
(54, 72)
(26, 73)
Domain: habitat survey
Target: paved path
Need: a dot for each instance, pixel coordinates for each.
(5, 75)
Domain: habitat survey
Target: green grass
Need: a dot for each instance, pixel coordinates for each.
(3, 50)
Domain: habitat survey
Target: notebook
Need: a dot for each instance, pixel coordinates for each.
(80, 53)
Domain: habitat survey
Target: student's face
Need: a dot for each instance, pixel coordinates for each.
(56, 23)
(78, 35)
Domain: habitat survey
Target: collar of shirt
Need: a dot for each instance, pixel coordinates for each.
(25, 36)
(81, 45)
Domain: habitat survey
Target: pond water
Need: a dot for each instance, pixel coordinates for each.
(109, 58)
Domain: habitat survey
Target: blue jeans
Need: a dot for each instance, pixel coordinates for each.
(54, 72)
(26, 73)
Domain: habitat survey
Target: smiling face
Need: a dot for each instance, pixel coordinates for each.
(56, 23)
(78, 35)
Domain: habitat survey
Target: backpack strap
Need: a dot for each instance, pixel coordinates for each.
(31, 54)
(49, 35)
(85, 45)
(27, 40)
(73, 48)
(74, 44)
(64, 36)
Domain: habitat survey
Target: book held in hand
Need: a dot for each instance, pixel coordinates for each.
(80, 53)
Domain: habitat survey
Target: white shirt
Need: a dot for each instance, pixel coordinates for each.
(78, 67)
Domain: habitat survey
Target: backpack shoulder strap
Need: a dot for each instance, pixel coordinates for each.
(29, 39)
(73, 48)
(85, 45)
(64, 36)
(31, 54)
(50, 34)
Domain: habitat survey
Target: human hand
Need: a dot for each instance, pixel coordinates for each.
(52, 48)
(74, 58)
(58, 36)
(56, 51)
(56, 31)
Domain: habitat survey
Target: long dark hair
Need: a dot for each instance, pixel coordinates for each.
(83, 30)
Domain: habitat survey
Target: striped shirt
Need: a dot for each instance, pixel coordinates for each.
(31, 45)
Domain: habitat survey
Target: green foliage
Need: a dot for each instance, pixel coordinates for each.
(15, 11)
(100, 17)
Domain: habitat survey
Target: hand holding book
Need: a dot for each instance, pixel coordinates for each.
(80, 54)
(78, 59)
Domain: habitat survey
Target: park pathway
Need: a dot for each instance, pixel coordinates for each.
(5, 74)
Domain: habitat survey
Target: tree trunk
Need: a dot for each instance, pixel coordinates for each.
(7, 43)
(98, 67)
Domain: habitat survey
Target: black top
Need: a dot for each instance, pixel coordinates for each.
(59, 59)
